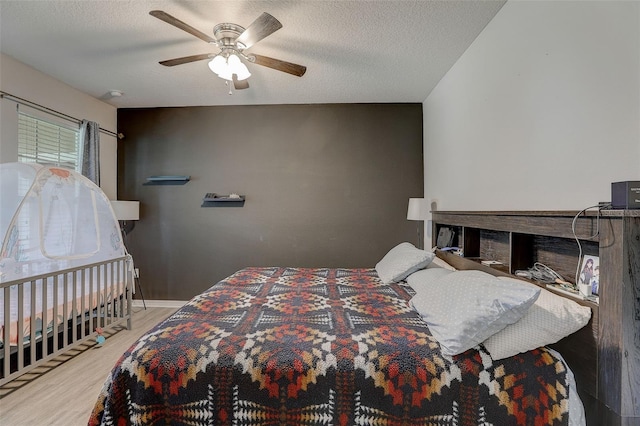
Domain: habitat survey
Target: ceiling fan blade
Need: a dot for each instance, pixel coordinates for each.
(163, 16)
(185, 60)
(259, 29)
(240, 84)
(277, 64)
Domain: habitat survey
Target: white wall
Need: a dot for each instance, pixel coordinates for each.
(542, 112)
(25, 82)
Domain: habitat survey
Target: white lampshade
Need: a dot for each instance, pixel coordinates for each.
(218, 64)
(417, 209)
(226, 74)
(225, 68)
(242, 71)
(233, 61)
(126, 210)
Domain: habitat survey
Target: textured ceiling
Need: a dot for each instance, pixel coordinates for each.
(355, 51)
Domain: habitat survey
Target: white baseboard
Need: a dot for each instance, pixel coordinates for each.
(137, 303)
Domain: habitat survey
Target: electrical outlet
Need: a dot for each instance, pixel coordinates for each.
(136, 273)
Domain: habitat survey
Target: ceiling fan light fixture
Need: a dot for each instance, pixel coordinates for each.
(233, 60)
(218, 64)
(226, 75)
(241, 71)
(237, 67)
(225, 68)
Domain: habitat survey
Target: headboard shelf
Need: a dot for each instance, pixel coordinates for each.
(519, 239)
(465, 263)
(548, 223)
(604, 355)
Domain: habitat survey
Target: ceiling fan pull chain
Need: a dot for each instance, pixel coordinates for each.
(228, 85)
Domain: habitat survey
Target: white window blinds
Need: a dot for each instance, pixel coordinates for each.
(44, 142)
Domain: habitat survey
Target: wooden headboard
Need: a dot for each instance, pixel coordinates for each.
(604, 355)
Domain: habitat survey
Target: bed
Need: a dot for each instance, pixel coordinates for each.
(327, 346)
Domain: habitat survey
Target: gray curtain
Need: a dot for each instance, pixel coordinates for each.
(91, 150)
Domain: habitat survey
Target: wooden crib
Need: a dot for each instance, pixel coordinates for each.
(46, 315)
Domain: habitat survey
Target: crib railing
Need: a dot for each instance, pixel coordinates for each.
(46, 315)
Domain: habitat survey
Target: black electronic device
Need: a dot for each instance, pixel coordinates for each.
(445, 237)
(625, 195)
(210, 196)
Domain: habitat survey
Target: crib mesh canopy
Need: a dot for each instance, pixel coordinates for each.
(52, 218)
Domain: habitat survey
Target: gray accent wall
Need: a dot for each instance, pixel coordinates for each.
(325, 186)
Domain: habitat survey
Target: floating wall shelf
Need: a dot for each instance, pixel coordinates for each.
(167, 180)
(215, 200)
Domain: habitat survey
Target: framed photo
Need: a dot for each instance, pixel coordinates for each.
(590, 273)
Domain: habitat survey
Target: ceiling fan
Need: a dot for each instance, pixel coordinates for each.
(232, 40)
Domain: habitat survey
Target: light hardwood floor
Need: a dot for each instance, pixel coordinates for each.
(65, 395)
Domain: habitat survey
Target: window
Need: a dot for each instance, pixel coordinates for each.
(46, 142)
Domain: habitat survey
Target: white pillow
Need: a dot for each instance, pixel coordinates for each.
(421, 281)
(401, 261)
(549, 319)
(465, 308)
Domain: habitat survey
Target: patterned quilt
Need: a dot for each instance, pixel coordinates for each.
(292, 346)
